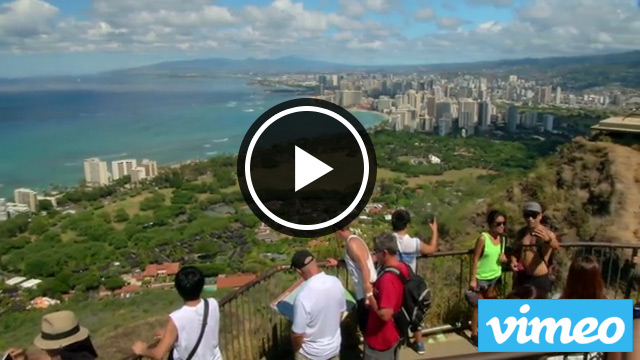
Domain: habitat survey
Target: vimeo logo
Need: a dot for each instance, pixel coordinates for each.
(555, 325)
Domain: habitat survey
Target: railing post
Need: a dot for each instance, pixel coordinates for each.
(632, 274)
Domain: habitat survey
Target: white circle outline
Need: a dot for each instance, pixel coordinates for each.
(365, 175)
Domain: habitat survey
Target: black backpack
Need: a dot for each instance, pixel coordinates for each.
(416, 301)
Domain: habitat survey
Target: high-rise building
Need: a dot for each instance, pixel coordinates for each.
(431, 106)
(513, 118)
(558, 95)
(4, 215)
(150, 168)
(400, 100)
(443, 108)
(384, 103)
(444, 126)
(95, 172)
(412, 98)
(468, 110)
(548, 122)
(26, 197)
(530, 120)
(397, 122)
(485, 114)
(543, 94)
(138, 174)
(120, 168)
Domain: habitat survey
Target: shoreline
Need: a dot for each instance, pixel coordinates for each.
(7, 193)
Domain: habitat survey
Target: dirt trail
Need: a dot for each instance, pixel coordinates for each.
(625, 208)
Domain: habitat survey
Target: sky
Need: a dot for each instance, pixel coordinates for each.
(55, 37)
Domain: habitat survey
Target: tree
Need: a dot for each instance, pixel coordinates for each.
(89, 281)
(121, 215)
(114, 283)
(45, 205)
(39, 225)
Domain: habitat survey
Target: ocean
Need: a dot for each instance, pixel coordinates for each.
(47, 129)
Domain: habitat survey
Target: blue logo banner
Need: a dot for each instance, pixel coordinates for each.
(555, 325)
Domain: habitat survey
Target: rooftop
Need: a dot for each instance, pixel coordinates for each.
(234, 281)
(152, 270)
(629, 124)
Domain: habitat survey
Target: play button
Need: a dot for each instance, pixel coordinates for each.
(308, 169)
(306, 166)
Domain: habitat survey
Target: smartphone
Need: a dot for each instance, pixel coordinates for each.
(430, 218)
(7, 357)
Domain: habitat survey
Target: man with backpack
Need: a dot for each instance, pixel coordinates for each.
(401, 300)
(410, 248)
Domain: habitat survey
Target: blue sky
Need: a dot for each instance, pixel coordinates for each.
(48, 37)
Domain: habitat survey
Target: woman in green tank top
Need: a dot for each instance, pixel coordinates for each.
(486, 268)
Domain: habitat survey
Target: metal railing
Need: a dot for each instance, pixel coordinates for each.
(251, 329)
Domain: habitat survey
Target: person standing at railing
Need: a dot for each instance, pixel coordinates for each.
(534, 245)
(192, 331)
(382, 337)
(410, 248)
(486, 267)
(362, 272)
(318, 310)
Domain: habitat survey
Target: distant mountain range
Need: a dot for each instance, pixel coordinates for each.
(575, 72)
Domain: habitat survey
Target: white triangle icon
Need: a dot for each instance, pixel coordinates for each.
(308, 169)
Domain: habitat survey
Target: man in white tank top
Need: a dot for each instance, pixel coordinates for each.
(318, 310)
(362, 272)
(410, 249)
(184, 327)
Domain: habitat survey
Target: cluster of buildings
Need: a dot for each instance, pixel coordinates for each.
(430, 106)
(24, 201)
(96, 173)
(461, 104)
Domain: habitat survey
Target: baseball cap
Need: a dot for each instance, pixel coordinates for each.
(301, 259)
(532, 206)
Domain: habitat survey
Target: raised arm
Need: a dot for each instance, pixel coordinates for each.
(169, 337)
(432, 247)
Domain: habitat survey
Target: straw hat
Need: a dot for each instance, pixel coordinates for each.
(58, 330)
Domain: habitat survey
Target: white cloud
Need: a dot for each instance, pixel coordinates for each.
(496, 3)
(25, 18)
(449, 22)
(289, 27)
(425, 14)
(358, 8)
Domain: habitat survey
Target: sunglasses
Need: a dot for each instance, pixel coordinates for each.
(500, 223)
(530, 214)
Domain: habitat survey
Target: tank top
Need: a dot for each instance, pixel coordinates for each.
(355, 272)
(489, 266)
(188, 320)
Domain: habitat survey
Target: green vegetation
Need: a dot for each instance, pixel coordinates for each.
(174, 219)
(101, 317)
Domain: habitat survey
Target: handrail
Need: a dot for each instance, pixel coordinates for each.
(271, 272)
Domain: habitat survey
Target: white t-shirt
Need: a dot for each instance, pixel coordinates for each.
(409, 249)
(355, 271)
(188, 320)
(317, 313)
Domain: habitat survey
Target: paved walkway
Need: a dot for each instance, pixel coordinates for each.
(440, 345)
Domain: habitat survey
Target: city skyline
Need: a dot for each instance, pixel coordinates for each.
(55, 37)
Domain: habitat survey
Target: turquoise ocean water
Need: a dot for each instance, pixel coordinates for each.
(47, 130)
